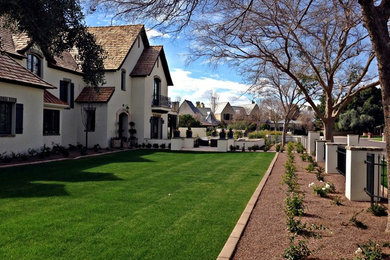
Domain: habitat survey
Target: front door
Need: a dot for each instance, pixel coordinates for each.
(156, 127)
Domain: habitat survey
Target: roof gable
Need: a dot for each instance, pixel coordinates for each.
(222, 106)
(147, 61)
(13, 72)
(117, 41)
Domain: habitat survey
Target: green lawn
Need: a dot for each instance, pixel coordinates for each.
(117, 206)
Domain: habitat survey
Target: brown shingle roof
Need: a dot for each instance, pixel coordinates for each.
(116, 41)
(95, 95)
(13, 72)
(146, 62)
(51, 99)
(17, 43)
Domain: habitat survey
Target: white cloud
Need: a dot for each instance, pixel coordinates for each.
(152, 33)
(199, 89)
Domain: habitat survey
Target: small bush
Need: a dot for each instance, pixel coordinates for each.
(322, 190)
(378, 210)
(155, 146)
(162, 146)
(357, 223)
(304, 157)
(319, 173)
(337, 201)
(294, 205)
(296, 251)
(256, 135)
(149, 146)
(83, 150)
(299, 148)
(277, 147)
(255, 147)
(96, 148)
(310, 167)
(370, 250)
(238, 134)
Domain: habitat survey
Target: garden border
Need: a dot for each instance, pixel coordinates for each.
(231, 243)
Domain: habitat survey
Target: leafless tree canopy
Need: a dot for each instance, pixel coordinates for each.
(321, 45)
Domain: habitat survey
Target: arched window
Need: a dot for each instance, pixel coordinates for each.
(34, 64)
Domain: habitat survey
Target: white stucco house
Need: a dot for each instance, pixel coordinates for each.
(57, 107)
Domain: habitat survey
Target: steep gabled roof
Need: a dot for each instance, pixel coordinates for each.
(238, 109)
(95, 95)
(13, 72)
(117, 41)
(147, 62)
(191, 106)
(16, 45)
(249, 108)
(221, 106)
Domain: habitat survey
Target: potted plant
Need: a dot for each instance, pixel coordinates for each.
(115, 142)
(230, 133)
(176, 133)
(189, 133)
(132, 139)
(222, 134)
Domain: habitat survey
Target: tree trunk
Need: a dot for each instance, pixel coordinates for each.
(375, 21)
(285, 125)
(329, 129)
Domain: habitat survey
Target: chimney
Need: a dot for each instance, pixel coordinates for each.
(202, 105)
(197, 104)
(175, 106)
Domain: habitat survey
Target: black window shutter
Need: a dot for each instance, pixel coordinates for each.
(72, 95)
(64, 90)
(19, 119)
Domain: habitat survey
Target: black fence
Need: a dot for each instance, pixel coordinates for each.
(376, 177)
(341, 159)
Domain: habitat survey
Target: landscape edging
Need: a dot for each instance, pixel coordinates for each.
(231, 243)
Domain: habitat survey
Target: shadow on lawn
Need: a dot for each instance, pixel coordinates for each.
(24, 181)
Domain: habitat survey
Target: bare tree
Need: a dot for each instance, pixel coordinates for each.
(283, 93)
(320, 45)
(376, 15)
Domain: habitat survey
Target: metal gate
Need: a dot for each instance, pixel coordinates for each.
(376, 181)
(324, 151)
(341, 159)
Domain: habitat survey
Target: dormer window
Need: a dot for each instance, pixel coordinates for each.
(123, 79)
(34, 64)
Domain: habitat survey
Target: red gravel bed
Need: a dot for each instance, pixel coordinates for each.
(266, 236)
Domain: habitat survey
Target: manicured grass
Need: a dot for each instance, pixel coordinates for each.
(129, 205)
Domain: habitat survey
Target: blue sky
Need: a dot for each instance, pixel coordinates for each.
(195, 81)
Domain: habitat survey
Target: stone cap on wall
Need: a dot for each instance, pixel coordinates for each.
(364, 148)
(328, 143)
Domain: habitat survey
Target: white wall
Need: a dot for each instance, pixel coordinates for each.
(32, 100)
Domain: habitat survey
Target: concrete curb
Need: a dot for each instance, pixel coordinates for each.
(62, 159)
(231, 243)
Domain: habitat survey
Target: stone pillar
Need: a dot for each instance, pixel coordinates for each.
(355, 175)
(352, 140)
(320, 153)
(188, 143)
(230, 142)
(312, 137)
(222, 145)
(331, 157)
(176, 144)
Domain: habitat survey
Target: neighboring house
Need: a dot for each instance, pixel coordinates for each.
(137, 79)
(224, 112)
(203, 114)
(208, 117)
(249, 112)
